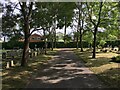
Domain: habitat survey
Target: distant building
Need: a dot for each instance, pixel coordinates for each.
(34, 38)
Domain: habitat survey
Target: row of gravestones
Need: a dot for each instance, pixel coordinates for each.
(110, 49)
(10, 56)
(36, 52)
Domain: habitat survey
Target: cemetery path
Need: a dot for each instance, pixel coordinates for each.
(65, 70)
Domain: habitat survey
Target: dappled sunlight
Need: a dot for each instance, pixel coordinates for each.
(105, 67)
(106, 55)
(52, 81)
(108, 72)
(17, 76)
(65, 71)
(36, 63)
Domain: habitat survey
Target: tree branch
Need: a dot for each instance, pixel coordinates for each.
(36, 29)
(90, 15)
(30, 10)
(101, 4)
(23, 9)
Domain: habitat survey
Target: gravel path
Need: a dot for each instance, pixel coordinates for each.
(65, 71)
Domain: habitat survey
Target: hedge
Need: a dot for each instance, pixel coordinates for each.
(10, 45)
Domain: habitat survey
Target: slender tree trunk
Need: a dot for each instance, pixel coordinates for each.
(52, 43)
(94, 44)
(77, 43)
(81, 43)
(55, 40)
(55, 37)
(65, 31)
(4, 38)
(45, 42)
(119, 24)
(52, 40)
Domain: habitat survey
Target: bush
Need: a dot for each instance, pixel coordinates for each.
(116, 59)
(102, 43)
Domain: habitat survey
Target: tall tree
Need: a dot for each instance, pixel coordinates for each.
(119, 21)
(65, 15)
(91, 12)
(26, 11)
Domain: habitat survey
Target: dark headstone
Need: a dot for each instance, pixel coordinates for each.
(3, 55)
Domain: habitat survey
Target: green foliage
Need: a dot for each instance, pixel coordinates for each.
(112, 37)
(67, 38)
(65, 14)
(88, 37)
(102, 43)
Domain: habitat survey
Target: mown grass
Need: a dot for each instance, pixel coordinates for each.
(107, 71)
(17, 77)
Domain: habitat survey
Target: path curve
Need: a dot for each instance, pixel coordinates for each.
(66, 70)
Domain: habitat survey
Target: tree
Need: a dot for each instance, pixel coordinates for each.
(92, 10)
(76, 36)
(68, 38)
(81, 20)
(26, 11)
(9, 21)
(65, 15)
(119, 21)
(88, 37)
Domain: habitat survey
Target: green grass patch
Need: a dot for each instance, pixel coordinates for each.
(18, 77)
(108, 72)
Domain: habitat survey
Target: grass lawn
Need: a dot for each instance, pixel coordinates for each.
(18, 77)
(108, 72)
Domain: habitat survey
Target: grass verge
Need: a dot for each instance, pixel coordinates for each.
(17, 77)
(108, 72)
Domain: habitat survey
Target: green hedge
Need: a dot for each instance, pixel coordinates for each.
(10, 45)
(113, 43)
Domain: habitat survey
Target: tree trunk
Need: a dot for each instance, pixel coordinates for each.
(25, 52)
(81, 43)
(45, 45)
(77, 43)
(52, 43)
(26, 43)
(94, 44)
(26, 28)
(119, 23)
(65, 31)
(4, 38)
(54, 38)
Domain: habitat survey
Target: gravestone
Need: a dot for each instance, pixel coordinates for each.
(30, 53)
(11, 63)
(3, 55)
(115, 48)
(8, 65)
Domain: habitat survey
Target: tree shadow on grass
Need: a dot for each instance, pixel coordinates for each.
(111, 77)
